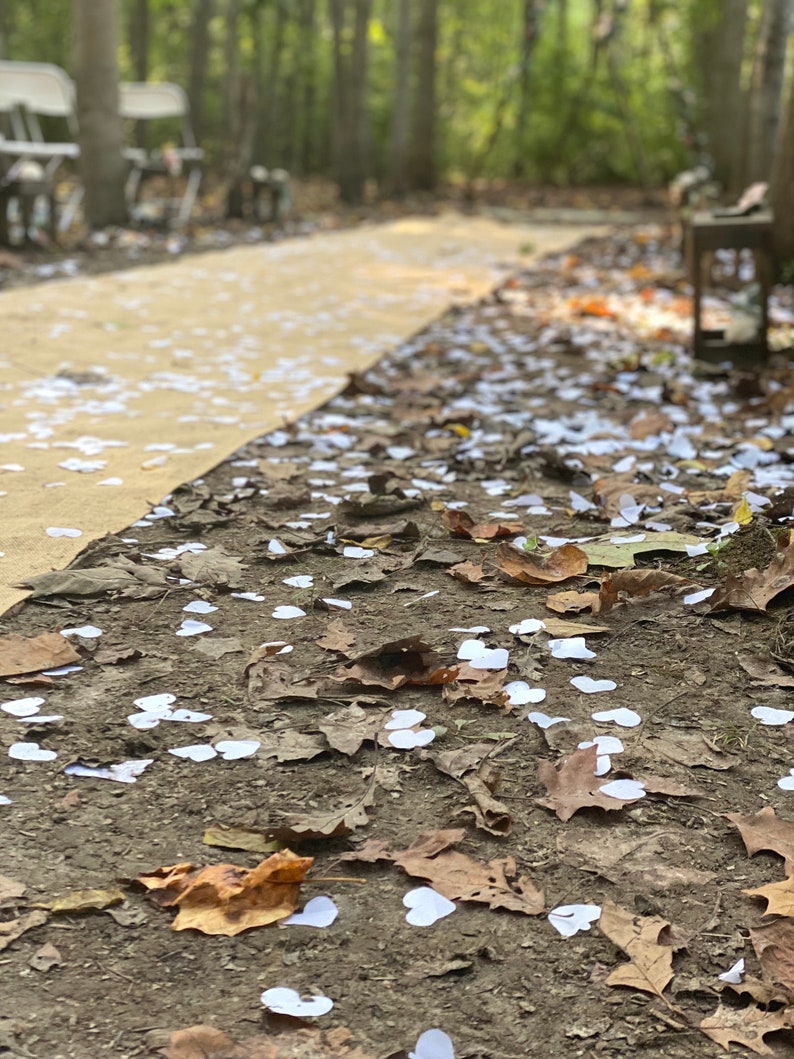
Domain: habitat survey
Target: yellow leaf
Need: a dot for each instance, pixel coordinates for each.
(459, 429)
(742, 513)
(381, 542)
(86, 900)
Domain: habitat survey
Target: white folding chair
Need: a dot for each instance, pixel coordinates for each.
(29, 91)
(150, 101)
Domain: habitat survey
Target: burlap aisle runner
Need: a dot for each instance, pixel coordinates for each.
(117, 389)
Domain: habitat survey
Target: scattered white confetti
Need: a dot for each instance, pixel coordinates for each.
(285, 1001)
(252, 597)
(199, 606)
(126, 772)
(74, 463)
(570, 919)
(408, 739)
(592, 687)
(426, 906)
(696, 549)
(433, 1044)
(276, 647)
(474, 629)
(190, 627)
(5, 800)
(339, 604)
(30, 752)
(155, 703)
(111, 481)
(607, 744)
(353, 551)
(519, 693)
(186, 716)
(318, 912)
(623, 790)
(734, 975)
(426, 595)
(528, 627)
(235, 749)
(144, 721)
(285, 612)
(275, 547)
(496, 658)
(195, 752)
(621, 715)
(299, 581)
(63, 531)
(90, 632)
(571, 647)
(404, 719)
(22, 707)
(787, 782)
(542, 720)
(698, 597)
(61, 671)
(768, 715)
(636, 539)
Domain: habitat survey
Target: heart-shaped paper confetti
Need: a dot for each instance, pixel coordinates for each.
(623, 790)
(542, 720)
(189, 716)
(528, 627)
(571, 647)
(283, 1001)
(319, 912)
(474, 629)
(607, 744)
(592, 687)
(252, 597)
(496, 658)
(338, 604)
(155, 703)
(622, 716)
(22, 707)
(787, 782)
(61, 671)
(433, 1044)
(190, 627)
(426, 906)
(125, 772)
(89, 632)
(404, 719)
(275, 547)
(196, 752)
(145, 720)
(235, 749)
(764, 714)
(408, 739)
(353, 551)
(734, 975)
(299, 581)
(519, 693)
(30, 752)
(698, 597)
(61, 531)
(199, 606)
(285, 612)
(570, 919)
(5, 800)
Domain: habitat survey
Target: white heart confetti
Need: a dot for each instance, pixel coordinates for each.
(622, 716)
(623, 790)
(698, 597)
(607, 744)
(319, 912)
(496, 658)
(407, 739)
(404, 719)
(571, 647)
(519, 693)
(352, 551)
(570, 919)
(426, 906)
(235, 749)
(22, 707)
(155, 703)
(252, 597)
(61, 531)
(284, 613)
(527, 627)
(30, 752)
(433, 1044)
(474, 628)
(189, 716)
(787, 782)
(299, 581)
(592, 687)
(764, 714)
(285, 1001)
(199, 606)
(126, 772)
(196, 752)
(275, 547)
(734, 975)
(61, 671)
(339, 604)
(542, 720)
(90, 632)
(191, 627)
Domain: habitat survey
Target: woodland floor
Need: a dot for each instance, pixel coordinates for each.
(500, 409)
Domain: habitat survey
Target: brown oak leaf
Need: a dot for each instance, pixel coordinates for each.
(564, 562)
(574, 785)
(753, 589)
(774, 947)
(746, 1026)
(651, 962)
(765, 830)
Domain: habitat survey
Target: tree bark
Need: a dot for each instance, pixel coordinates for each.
(402, 102)
(102, 169)
(424, 152)
(766, 87)
(350, 112)
(139, 51)
(308, 85)
(782, 188)
(723, 52)
(533, 9)
(199, 57)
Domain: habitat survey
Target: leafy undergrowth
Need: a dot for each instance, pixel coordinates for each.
(482, 669)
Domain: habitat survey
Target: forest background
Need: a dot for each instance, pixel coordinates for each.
(393, 96)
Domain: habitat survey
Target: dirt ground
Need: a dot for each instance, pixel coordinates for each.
(502, 410)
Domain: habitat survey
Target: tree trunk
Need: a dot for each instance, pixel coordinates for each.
(139, 51)
(350, 80)
(96, 37)
(782, 190)
(723, 52)
(402, 102)
(199, 57)
(231, 59)
(533, 9)
(766, 87)
(308, 85)
(424, 152)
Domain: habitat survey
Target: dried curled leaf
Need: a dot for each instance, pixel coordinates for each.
(745, 1026)
(460, 524)
(567, 561)
(399, 662)
(754, 589)
(651, 962)
(225, 899)
(28, 654)
(765, 830)
(574, 785)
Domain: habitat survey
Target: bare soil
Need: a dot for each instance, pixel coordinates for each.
(501, 984)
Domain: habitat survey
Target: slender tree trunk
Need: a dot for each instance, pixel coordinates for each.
(271, 141)
(139, 50)
(723, 53)
(533, 9)
(231, 58)
(199, 58)
(782, 189)
(308, 84)
(769, 63)
(402, 101)
(424, 152)
(96, 37)
(350, 113)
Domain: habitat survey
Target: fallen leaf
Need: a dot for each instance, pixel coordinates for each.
(132, 580)
(468, 573)
(563, 563)
(113, 656)
(765, 830)
(779, 897)
(23, 654)
(231, 836)
(632, 584)
(572, 602)
(12, 929)
(561, 629)
(691, 749)
(349, 728)
(85, 901)
(397, 663)
(651, 962)
(574, 786)
(337, 637)
(481, 685)
(658, 859)
(225, 899)
(753, 589)
(602, 552)
(460, 524)
(774, 947)
(490, 814)
(45, 958)
(745, 1026)
(288, 744)
(765, 673)
(271, 680)
(219, 646)
(457, 763)
(206, 1042)
(10, 889)
(213, 567)
(336, 823)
